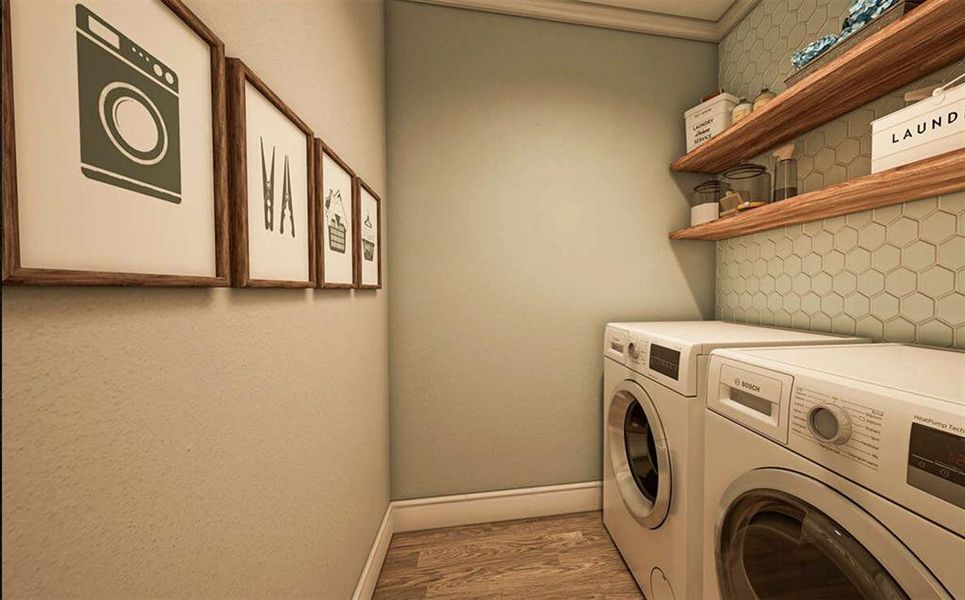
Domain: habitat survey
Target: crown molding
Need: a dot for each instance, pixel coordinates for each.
(734, 15)
(611, 17)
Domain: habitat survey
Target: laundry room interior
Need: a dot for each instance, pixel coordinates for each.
(426, 299)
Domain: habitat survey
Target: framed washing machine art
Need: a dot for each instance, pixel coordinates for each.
(114, 145)
(336, 198)
(272, 183)
(368, 237)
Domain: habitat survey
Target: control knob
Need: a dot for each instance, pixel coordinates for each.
(829, 423)
(633, 351)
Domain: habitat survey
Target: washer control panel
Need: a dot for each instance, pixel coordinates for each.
(844, 426)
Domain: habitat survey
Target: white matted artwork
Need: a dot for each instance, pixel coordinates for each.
(369, 228)
(272, 187)
(336, 219)
(118, 112)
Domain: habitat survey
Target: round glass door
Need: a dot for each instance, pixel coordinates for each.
(638, 454)
(638, 440)
(772, 543)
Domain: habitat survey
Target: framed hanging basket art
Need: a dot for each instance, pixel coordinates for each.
(114, 145)
(272, 182)
(336, 205)
(368, 228)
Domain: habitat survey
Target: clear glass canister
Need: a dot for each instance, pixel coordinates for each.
(708, 191)
(752, 182)
(785, 179)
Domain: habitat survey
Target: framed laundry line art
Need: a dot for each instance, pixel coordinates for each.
(368, 228)
(115, 161)
(272, 183)
(336, 205)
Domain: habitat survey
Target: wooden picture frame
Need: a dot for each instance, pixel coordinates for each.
(321, 151)
(239, 75)
(14, 272)
(361, 253)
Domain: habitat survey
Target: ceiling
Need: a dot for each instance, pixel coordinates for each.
(704, 20)
(706, 10)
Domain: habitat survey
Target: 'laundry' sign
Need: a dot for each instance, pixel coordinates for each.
(924, 126)
(931, 127)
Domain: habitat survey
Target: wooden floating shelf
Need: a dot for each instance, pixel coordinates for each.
(923, 179)
(926, 39)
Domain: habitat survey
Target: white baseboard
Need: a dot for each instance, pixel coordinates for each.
(468, 509)
(504, 505)
(373, 565)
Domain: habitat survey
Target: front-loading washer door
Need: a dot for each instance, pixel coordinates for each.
(785, 535)
(639, 454)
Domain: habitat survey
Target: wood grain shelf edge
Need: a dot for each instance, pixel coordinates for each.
(923, 41)
(926, 178)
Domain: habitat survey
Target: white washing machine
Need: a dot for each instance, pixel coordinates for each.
(835, 472)
(654, 377)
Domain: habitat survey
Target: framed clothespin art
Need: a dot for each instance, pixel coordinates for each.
(272, 186)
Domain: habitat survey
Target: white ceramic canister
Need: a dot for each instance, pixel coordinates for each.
(704, 213)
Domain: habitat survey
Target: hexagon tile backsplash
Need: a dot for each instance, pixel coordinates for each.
(894, 274)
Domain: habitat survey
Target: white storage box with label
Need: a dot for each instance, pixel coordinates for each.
(708, 119)
(927, 128)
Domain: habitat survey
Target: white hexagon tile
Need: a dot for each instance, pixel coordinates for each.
(893, 274)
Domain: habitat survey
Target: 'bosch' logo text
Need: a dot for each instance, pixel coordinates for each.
(738, 382)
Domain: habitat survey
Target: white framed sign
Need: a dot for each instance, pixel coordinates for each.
(272, 186)
(114, 122)
(368, 227)
(336, 197)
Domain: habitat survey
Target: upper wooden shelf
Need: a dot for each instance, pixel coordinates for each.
(926, 39)
(923, 179)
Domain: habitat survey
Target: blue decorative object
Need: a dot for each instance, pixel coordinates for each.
(813, 50)
(860, 13)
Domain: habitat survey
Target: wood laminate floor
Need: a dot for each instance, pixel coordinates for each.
(565, 556)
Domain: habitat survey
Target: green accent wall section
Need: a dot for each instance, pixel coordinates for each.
(531, 199)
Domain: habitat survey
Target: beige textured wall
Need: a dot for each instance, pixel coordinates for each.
(895, 274)
(531, 200)
(209, 443)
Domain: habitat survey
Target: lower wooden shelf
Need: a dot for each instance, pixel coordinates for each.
(923, 179)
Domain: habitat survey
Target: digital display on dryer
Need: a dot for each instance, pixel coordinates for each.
(936, 463)
(664, 360)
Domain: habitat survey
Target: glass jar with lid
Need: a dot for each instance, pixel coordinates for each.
(711, 190)
(752, 182)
